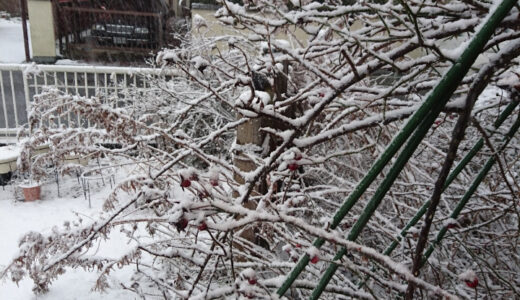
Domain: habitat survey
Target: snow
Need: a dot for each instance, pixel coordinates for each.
(249, 273)
(68, 62)
(198, 21)
(313, 251)
(31, 70)
(11, 41)
(467, 275)
(260, 98)
(17, 218)
(9, 153)
(451, 222)
(509, 79)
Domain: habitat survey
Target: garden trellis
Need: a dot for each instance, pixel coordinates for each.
(424, 117)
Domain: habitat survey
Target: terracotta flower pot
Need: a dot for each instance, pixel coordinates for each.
(31, 193)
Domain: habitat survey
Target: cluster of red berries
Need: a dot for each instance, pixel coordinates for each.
(293, 166)
(186, 182)
(183, 223)
(314, 258)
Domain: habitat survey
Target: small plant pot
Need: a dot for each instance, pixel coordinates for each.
(31, 192)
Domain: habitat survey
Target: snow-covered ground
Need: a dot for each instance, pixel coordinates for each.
(11, 41)
(17, 218)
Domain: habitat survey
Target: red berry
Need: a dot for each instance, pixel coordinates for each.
(293, 167)
(472, 284)
(213, 182)
(298, 245)
(203, 226)
(297, 156)
(321, 95)
(451, 226)
(181, 224)
(194, 177)
(438, 122)
(295, 259)
(252, 281)
(315, 259)
(185, 183)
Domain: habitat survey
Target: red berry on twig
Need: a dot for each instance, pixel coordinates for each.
(203, 226)
(252, 281)
(293, 166)
(472, 284)
(185, 183)
(181, 224)
(315, 259)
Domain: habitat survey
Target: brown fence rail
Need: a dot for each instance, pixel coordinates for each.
(92, 30)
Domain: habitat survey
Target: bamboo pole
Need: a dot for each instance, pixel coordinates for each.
(441, 94)
(467, 158)
(437, 99)
(474, 185)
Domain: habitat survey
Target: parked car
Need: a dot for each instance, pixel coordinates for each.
(133, 23)
(108, 28)
(117, 32)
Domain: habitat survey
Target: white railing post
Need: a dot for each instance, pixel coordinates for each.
(3, 100)
(13, 95)
(27, 95)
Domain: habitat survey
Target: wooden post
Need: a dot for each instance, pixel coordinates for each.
(249, 134)
(23, 6)
(43, 38)
(160, 33)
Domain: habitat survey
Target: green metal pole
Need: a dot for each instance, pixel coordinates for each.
(440, 95)
(467, 158)
(481, 175)
(376, 199)
(362, 186)
(460, 166)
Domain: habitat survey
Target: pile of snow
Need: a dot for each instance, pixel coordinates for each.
(11, 41)
(9, 153)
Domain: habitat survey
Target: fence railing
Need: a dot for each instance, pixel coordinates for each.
(20, 82)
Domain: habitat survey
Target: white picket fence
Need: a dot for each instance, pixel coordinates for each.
(20, 82)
